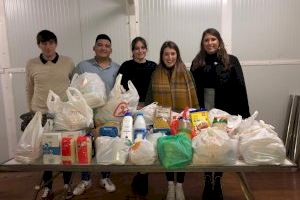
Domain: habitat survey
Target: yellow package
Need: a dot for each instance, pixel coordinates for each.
(200, 119)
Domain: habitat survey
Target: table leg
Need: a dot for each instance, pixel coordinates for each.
(245, 186)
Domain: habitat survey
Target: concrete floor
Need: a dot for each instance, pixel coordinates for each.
(273, 186)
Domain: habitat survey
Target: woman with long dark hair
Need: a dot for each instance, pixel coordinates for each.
(220, 84)
(172, 86)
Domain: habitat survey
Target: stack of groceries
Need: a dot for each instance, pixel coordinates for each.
(116, 133)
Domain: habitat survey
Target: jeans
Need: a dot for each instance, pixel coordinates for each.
(47, 176)
(86, 176)
(179, 176)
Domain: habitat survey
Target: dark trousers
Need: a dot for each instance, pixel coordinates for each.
(179, 176)
(47, 176)
(220, 174)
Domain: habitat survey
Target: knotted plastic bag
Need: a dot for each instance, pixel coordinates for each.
(175, 151)
(92, 88)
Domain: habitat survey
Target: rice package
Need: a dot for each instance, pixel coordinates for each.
(51, 148)
(84, 149)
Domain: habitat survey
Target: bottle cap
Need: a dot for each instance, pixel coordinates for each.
(128, 114)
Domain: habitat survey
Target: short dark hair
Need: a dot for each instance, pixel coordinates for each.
(103, 36)
(45, 36)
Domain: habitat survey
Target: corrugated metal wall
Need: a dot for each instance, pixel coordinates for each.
(180, 21)
(266, 29)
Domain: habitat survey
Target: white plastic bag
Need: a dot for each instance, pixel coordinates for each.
(112, 150)
(92, 88)
(213, 146)
(142, 153)
(119, 102)
(74, 114)
(260, 145)
(29, 146)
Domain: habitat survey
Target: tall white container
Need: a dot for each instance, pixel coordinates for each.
(127, 127)
(139, 128)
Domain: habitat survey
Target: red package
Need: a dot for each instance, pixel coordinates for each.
(84, 149)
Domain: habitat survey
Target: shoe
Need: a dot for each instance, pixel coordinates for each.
(179, 194)
(217, 190)
(139, 184)
(208, 191)
(68, 192)
(171, 191)
(81, 187)
(107, 184)
(47, 194)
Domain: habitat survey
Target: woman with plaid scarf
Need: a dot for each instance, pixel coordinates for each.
(172, 85)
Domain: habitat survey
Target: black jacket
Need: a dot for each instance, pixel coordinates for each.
(230, 88)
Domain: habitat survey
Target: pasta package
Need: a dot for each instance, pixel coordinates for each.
(84, 149)
(68, 150)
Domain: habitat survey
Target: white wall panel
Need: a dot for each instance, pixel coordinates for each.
(109, 17)
(180, 21)
(266, 29)
(268, 90)
(3, 137)
(25, 18)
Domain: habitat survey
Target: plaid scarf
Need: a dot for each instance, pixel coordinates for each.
(179, 92)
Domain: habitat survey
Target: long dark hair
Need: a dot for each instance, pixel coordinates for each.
(199, 60)
(136, 40)
(171, 45)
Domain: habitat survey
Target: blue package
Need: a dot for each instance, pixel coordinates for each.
(110, 131)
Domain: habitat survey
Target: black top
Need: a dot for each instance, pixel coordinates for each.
(139, 74)
(230, 88)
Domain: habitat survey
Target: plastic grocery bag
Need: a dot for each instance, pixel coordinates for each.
(175, 151)
(214, 146)
(260, 145)
(29, 146)
(92, 88)
(112, 150)
(142, 153)
(74, 114)
(119, 102)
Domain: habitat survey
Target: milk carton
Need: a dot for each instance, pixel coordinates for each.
(51, 148)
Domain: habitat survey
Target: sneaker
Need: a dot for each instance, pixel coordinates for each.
(47, 194)
(68, 192)
(171, 191)
(107, 184)
(81, 187)
(139, 184)
(179, 192)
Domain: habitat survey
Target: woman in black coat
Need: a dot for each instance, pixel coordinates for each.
(220, 84)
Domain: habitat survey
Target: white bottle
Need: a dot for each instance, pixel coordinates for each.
(139, 128)
(127, 129)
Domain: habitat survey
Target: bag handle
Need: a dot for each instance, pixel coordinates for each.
(75, 76)
(74, 94)
(52, 100)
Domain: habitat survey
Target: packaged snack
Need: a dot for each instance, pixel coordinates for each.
(199, 119)
(163, 112)
(220, 122)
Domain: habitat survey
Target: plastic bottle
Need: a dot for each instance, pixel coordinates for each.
(139, 128)
(127, 129)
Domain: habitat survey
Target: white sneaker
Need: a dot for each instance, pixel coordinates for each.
(47, 194)
(107, 184)
(179, 192)
(171, 191)
(82, 186)
(68, 192)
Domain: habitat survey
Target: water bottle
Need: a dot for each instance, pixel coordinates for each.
(127, 129)
(139, 128)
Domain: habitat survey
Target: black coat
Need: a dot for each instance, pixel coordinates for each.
(230, 88)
